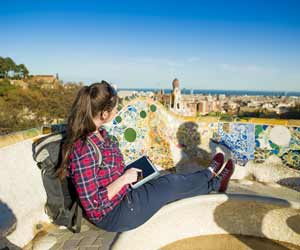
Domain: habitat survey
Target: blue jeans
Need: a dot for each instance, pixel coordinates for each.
(142, 203)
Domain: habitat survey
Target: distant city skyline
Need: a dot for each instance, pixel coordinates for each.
(226, 45)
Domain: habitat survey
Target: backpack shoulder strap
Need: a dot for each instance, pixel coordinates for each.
(97, 150)
(76, 212)
(39, 147)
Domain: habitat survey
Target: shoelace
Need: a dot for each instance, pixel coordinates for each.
(213, 167)
(224, 173)
(214, 164)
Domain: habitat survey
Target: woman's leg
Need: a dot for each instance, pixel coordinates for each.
(142, 203)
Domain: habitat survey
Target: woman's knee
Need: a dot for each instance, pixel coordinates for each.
(177, 182)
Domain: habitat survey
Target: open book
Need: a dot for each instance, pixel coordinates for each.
(149, 171)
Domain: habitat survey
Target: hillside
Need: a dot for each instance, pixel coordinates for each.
(33, 106)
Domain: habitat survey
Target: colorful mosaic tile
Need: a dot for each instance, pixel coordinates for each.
(260, 155)
(189, 138)
(186, 138)
(281, 141)
(159, 151)
(131, 130)
(274, 138)
(146, 127)
(292, 159)
(295, 140)
(239, 138)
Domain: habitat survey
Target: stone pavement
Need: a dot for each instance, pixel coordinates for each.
(60, 238)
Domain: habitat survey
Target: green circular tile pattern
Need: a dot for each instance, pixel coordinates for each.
(118, 119)
(130, 135)
(152, 107)
(143, 114)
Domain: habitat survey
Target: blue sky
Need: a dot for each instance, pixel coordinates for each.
(239, 44)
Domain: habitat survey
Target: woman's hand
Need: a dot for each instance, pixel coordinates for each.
(130, 176)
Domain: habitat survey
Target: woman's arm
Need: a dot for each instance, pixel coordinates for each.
(128, 177)
(85, 179)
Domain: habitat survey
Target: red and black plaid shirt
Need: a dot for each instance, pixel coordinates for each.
(91, 181)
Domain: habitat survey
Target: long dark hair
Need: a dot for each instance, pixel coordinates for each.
(89, 102)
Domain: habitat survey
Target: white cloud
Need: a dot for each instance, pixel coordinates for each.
(193, 59)
(245, 68)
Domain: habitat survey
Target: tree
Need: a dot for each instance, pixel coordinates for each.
(21, 71)
(9, 66)
(2, 67)
(9, 69)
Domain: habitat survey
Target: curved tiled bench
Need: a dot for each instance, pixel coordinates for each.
(251, 215)
(22, 196)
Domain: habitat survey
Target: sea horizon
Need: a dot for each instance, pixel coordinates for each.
(187, 91)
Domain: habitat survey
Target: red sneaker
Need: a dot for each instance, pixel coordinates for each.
(225, 176)
(217, 163)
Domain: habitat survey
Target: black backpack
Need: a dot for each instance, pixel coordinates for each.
(62, 205)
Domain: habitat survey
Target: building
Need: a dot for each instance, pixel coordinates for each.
(44, 78)
(175, 97)
(179, 104)
(217, 104)
(282, 108)
(46, 81)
